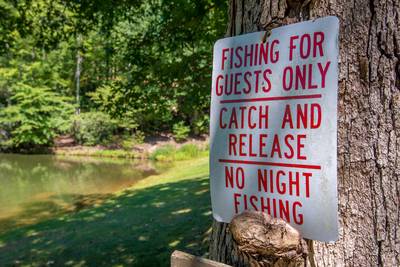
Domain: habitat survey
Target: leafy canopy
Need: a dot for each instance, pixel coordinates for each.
(146, 64)
(35, 116)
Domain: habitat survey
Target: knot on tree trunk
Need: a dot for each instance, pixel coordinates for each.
(268, 241)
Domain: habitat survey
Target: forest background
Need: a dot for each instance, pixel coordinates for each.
(105, 72)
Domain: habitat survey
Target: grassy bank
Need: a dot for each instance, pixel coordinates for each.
(97, 152)
(185, 152)
(139, 226)
(162, 153)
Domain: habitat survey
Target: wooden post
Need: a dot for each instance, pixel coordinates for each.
(182, 259)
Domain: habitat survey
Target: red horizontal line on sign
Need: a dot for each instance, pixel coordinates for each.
(272, 98)
(280, 164)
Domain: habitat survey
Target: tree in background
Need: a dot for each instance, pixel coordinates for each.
(34, 89)
(168, 48)
(35, 117)
(368, 128)
(146, 64)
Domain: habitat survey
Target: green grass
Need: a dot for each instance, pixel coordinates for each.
(106, 153)
(164, 153)
(140, 226)
(185, 152)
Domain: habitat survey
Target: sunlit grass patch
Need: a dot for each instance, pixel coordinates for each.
(185, 152)
(102, 153)
(181, 211)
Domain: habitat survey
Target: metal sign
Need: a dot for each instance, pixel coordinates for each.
(274, 126)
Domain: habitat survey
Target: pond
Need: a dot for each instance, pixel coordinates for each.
(36, 187)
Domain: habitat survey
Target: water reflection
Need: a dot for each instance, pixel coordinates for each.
(34, 187)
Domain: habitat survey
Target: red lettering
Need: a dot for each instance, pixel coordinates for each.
(252, 199)
(300, 146)
(263, 116)
(251, 125)
(276, 148)
(307, 175)
(302, 116)
(318, 40)
(294, 182)
(263, 144)
(221, 125)
(246, 80)
(297, 219)
(292, 46)
(242, 109)
(280, 187)
(242, 145)
(305, 53)
(287, 85)
(263, 53)
(316, 116)
(310, 84)
(248, 55)
(233, 119)
(267, 88)
(300, 77)
(235, 197)
(219, 90)
(229, 177)
(323, 72)
(257, 73)
(288, 145)
(274, 54)
(237, 82)
(251, 153)
(238, 56)
(224, 57)
(284, 210)
(287, 118)
(232, 144)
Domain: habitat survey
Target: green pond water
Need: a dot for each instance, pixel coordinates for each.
(36, 187)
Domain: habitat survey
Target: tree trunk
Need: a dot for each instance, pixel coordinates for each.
(368, 126)
(78, 74)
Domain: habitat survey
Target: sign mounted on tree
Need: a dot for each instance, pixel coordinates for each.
(274, 126)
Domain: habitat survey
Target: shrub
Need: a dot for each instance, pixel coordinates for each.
(201, 125)
(180, 131)
(93, 128)
(138, 137)
(129, 141)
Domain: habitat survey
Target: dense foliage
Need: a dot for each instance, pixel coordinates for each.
(34, 117)
(93, 128)
(145, 65)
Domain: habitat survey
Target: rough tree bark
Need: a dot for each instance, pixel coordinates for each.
(368, 126)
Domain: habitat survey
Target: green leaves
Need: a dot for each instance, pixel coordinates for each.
(34, 117)
(167, 50)
(145, 64)
(93, 128)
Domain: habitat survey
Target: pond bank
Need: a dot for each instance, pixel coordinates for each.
(38, 187)
(138, 226)
(156, 148)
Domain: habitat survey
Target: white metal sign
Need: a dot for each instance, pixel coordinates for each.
(274, 126)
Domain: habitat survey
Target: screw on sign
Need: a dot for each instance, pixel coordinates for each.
(274, 126)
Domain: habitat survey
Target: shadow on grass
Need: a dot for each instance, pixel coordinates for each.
(49, 207)
(138, 228)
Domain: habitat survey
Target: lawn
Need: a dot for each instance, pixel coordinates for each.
(140, 226)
